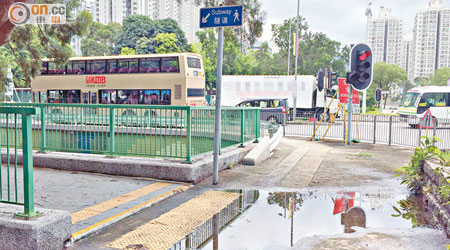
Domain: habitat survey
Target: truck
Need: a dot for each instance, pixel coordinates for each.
(238, 88)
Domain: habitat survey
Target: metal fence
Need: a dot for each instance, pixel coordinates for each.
(384, 129)
(203, 234)
(17, 131)
(138, 130)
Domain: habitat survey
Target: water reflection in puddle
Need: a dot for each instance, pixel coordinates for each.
(263, 219)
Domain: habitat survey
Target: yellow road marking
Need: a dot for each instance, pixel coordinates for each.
(115, 202)
(128, 211)
(163, 232)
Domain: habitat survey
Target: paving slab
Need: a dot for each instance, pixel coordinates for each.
(94, 200)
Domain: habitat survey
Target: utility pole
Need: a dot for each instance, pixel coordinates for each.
(289, 49)
(297, 45)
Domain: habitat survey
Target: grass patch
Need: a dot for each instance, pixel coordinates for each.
(364, 154)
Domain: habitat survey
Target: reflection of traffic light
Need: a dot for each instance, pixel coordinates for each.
(378, 95)
(320, 79)
(361, 67)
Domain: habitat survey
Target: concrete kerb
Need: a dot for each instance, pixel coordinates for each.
(264, 148)
(163, 169)
(47, 232)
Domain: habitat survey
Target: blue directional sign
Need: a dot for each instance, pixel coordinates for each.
(225, 16)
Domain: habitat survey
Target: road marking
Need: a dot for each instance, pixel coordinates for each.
(99, 208)
(173, 226)
(159, 197)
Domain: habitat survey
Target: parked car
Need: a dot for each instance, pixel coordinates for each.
(272, 109)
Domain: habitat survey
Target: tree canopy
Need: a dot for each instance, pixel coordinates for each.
(385, 74)
(138, 26)
(440, 77)
(316, 51)
(100, 40)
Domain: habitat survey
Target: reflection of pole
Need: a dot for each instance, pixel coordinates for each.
(292, 220)
(285, 201)
(216, 232)
(217, 138)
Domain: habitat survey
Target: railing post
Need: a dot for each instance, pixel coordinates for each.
(43, 128)
(258, 125)
(374, 129)
(27, 145)
(242, 127)
(188, 135)
(390, 130)
(420, 133)
(112, 131)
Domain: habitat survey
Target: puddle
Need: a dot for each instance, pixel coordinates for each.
(262, 220)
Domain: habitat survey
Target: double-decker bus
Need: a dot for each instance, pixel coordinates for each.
(152, 79)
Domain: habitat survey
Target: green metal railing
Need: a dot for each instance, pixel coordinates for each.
(181, 132)
(16, 131)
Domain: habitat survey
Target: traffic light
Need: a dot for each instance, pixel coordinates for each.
(332, 79)
(378, 95)
(320, 79)
(360, 67)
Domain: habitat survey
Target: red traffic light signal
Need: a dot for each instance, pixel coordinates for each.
(364, 55)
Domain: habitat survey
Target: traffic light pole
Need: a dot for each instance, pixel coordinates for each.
(350, 112)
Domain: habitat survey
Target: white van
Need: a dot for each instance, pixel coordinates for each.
(418, 100)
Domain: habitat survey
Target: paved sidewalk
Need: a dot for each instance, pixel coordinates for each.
(297, 163)
(95, 200)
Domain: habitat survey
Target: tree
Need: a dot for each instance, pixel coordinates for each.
(125, 51)
(253, 18)
(316, 49)
(138, 26)
(234, 61)
(145, 45)
(262, 60)
(27, 44)
(208, 49)
(385, 74)
(100, 40)
(166, 43)
(440, 77)
(171, 26)
(282, 199)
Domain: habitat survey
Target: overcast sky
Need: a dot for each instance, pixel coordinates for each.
(341, 20)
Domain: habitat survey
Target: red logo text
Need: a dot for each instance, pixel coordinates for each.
(95, 79)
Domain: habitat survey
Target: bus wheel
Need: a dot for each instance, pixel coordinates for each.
(414, 125)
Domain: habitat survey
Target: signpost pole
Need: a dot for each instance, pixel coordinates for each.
(217, 138)
(350, 110)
